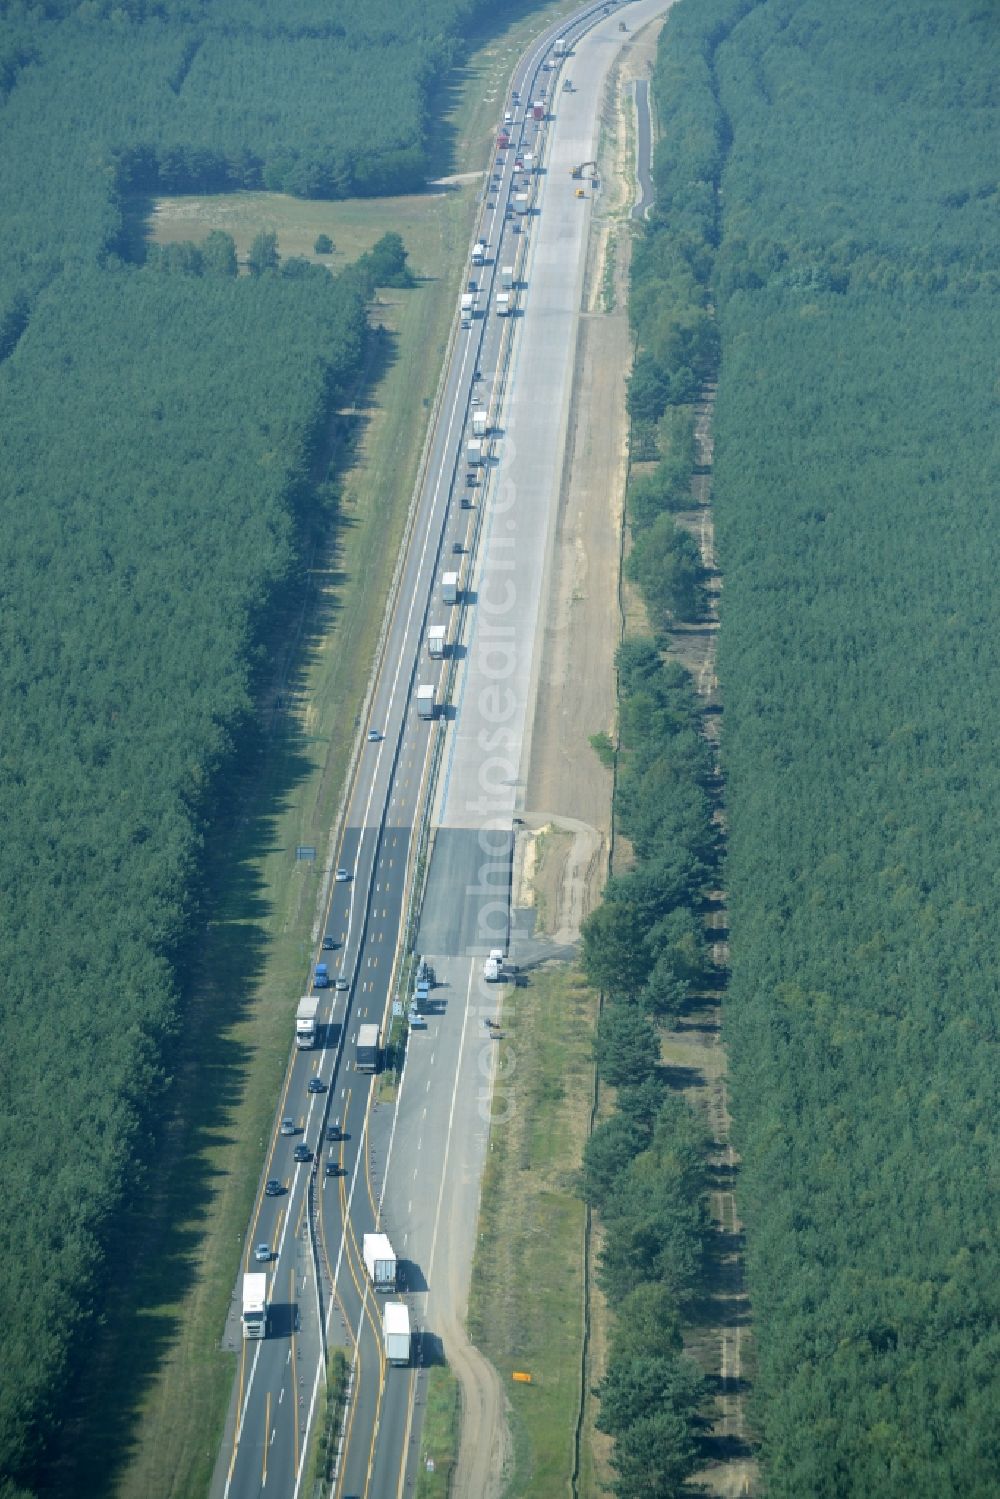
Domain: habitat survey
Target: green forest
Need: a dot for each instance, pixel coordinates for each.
(827, 186)
(164, 478)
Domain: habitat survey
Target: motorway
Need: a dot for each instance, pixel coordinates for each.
(411, 1166)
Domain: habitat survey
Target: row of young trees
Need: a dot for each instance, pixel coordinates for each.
(852, 261)
(644, 1166)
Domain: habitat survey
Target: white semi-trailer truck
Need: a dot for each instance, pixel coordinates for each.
(305, 1022)
(396, 1333)
(366, 1053)
(380, 1261)
(436, 641)
(255, 1305)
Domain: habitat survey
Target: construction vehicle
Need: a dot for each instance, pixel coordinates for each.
(581, 170)
(580, 193)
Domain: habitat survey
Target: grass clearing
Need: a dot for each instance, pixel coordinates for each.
(526, 1306)
(439, 1441)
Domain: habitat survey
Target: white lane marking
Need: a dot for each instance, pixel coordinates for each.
(451, 1121)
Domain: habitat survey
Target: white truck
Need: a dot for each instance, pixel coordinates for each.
(380, 1261)
(493, 967)
(480, 423)
(507, 277)
(436, 641)
(426, 699)
(476, 451)
(255, 1305)
(479, 252)
(503, 304)
(522, 203)
(366, 1051)
(529, 161)
(305, 1022)
(559, 47)
(396, 1333)
(449, 588)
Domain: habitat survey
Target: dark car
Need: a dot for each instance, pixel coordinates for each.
(457, 548)
(302, 1152)
(332, 1166)
(317, 1085)
(273, 1188)
(328, 944)
(333, 1131)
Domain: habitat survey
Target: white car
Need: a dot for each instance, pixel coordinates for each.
(342, 875)
(374, 736)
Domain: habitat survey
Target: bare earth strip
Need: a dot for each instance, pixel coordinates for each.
(719, 1339)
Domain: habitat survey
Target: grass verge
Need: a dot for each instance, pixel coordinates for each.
(323, 1456)
(439, 1442)
(526, 1305)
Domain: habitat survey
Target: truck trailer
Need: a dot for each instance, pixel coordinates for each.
(449, 588)
(396, 1333)
(503, 304)
(426, 700)
(366, 1055)
(305, 1022)
(380, 1261)
(475, 452)
(480, 423)
(436, 641)
(507, 277)
(255, 1305)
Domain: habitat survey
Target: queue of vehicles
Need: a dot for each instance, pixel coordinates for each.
(379, 1258)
